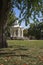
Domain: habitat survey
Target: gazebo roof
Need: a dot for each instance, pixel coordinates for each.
(17, 26)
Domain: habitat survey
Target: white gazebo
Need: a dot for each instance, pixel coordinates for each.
(16, 30)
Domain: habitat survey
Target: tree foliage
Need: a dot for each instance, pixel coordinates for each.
(29, 8)
(25, 32)
(35, 30)
(10, 20)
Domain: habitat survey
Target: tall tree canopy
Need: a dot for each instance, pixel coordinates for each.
(29, 9)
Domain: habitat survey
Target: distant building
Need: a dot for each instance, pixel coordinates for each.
(16, 31)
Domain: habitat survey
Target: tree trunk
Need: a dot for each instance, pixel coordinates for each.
(3, 43)
(4, 10)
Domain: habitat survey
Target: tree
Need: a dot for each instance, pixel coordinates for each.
(11, 19)
(31, 30)
(25, 32)
(40, 27)
(35, 30)
(27, 7)
(4, 10)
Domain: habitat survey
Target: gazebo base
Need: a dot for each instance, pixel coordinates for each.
(17, 38)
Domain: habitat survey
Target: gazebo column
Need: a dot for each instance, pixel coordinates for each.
(19, 32)
(22, 32)
(11, 33)
(14, 34)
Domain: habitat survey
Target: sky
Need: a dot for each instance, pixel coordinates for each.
(17, 12)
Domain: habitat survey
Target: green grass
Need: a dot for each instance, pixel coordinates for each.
(28, 43)
(22, 52)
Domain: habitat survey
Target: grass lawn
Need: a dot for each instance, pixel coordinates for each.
(27, 43)
(22, 52)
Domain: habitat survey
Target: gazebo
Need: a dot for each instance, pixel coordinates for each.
(16, 30)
